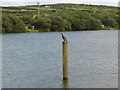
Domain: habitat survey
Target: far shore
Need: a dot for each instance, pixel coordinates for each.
(36, 31)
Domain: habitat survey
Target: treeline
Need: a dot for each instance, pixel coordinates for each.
(60, 21)
(12, 24)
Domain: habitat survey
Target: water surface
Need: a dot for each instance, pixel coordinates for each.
(34, 60)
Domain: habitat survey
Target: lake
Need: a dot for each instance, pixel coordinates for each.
(34, 60)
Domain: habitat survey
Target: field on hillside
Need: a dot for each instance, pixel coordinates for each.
(61, 7)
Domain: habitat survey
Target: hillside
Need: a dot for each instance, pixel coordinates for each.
(60, 17)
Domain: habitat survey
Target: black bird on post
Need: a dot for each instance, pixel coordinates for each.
(64, 38)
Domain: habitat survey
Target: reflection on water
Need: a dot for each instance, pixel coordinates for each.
(65, 84)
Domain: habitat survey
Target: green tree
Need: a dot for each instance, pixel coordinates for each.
(42, 24)
(12, 24)
(109, 22)
(59, 24)
(28, 20)
(7, 26)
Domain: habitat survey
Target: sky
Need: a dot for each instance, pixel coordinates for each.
(30, 2)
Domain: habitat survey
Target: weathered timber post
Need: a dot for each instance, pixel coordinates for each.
(65, 57)
(65, 84)
(65, 61)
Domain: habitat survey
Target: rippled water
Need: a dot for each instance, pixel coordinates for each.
(34, 60)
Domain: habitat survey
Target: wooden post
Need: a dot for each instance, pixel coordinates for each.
(65, 61)
(65, 84)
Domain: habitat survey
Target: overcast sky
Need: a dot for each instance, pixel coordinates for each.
(29, 2)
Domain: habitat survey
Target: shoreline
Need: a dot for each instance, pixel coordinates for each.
(62, 31)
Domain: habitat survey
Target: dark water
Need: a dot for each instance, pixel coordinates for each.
(34, 60)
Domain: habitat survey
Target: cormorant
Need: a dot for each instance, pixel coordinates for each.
(64, 38)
